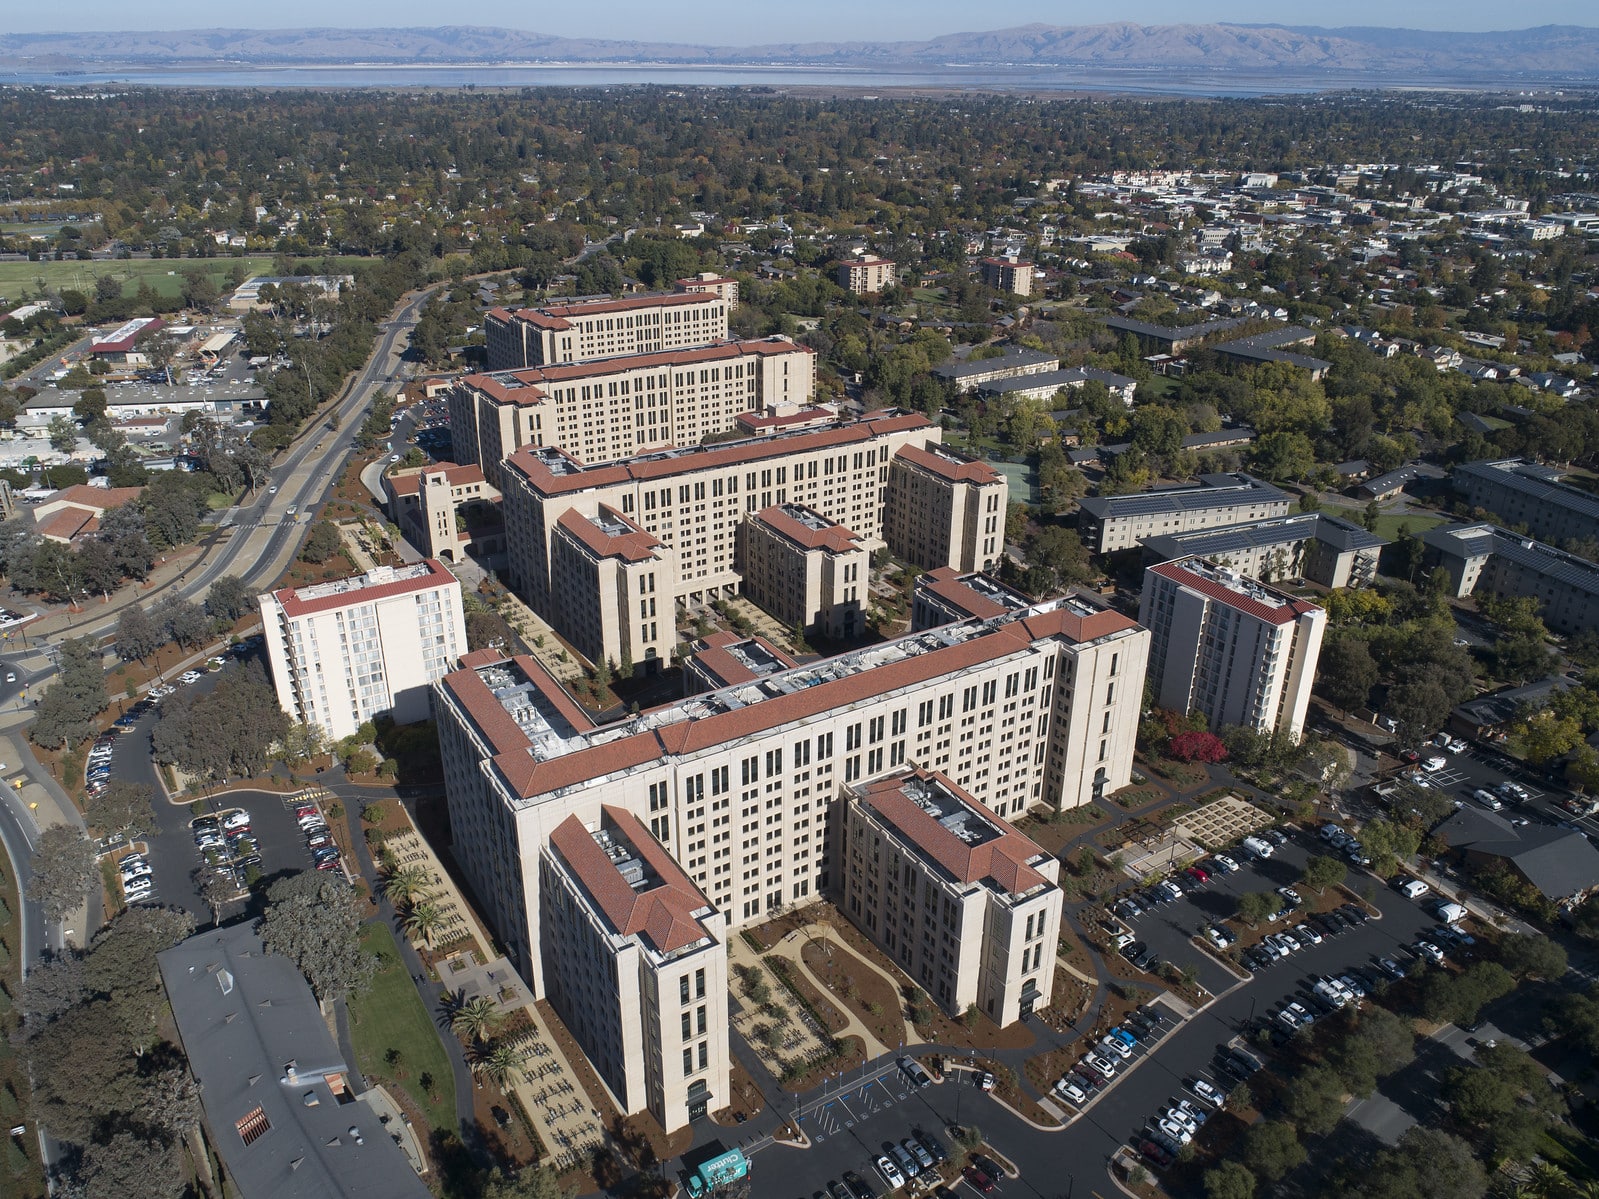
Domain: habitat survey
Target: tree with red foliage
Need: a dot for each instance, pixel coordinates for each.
(1197, 747)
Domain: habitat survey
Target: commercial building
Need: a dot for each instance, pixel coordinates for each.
(945, 510)
(1119, 522)
(1008, 275)
(636, 961)
(119, 345)
(348, 650)
(1301, 545)
(692, 503)
(1487, 558)
(743, 786)
(810, 573)
(280, 1104)
(620, 407)
(1016, 362)
(1231, 647)
(1523, 494)
(865, 276)
(590, 329)
(966, 905)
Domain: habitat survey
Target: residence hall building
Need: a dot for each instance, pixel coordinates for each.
(1011, 275)
(616, 408)
(1301, 545)
(966, 905)
(944, 509)
(637, 966)
(1231, 647)
(691, 503)
(348, 650)
(590, 329)
(864, 276)
(1520, 493)
(807, 571)
(1117, 522)
(1495, 561)
(743, 785)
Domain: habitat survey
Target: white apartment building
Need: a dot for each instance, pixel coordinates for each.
(865, 276)
(1118, 522)
(1233, 648)
(693, 502)
(589, 329)
(348, 650)
(611, 588)
(945, 510)
(965, 904)
(616, 408)
(804, 569)
(743, 785)
(636, 959)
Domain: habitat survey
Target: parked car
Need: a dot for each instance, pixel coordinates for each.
(979, 1180)
(1068, 1089)
(889, 1171)
(915, 1071)
(1208, 1091)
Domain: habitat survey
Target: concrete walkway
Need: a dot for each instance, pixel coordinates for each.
(789, 948)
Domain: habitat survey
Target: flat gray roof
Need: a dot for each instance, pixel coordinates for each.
(1014, 356)
(1213, 491)
(1539, 482)
(270, 1076)
(1261, 534)
(1546, 560)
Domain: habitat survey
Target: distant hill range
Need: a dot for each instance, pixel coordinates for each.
(1402, 55)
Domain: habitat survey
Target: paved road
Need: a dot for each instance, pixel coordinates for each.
(1053, 1164)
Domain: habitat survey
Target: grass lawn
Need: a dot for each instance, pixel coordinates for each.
(391, 1016)
(1388, 523)
(165, 275)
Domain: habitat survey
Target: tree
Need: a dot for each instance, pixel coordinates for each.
(1322, 872)
(130, 1166)
(1230, 1180)
(1504, 1098)
(1532, 955)
(63, 434)
(1272, 1150)
(1459, 998)
(323, 543)
(1255, 906)
(475, 1018)
(234, 732)
(1426, 1164)
(67, 710)
(122, 807)
(408, 885)
(185, 622)
(311, 920)
(1314, 1099)
(529, 1182)
(1346, 672)
(1376, 1044)
(63, 867)
(215, 889)
(497, 1062)
(1284, 457)
(138, 634)
(423, 919)
(1197, 747)
(229, 599)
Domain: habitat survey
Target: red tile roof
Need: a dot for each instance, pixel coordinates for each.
(556, 316)
(527, 460)
(529, 378)
(728, 670)
(663, 911)
(81, 495)
(945, 582)
(293, 605)
(1285, 613)
(65, 524)
(1003, 859)
(957, 470)
(761, 423)
(527, 776)
(635, 545)
(835, 538)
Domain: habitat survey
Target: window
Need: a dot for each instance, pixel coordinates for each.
(253, 1126)
(682, 989)
(688, 1061)
(699, 984)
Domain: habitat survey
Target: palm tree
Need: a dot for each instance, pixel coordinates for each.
(475, 1018)
(1546, 1180)
(408, 885)
(422, 919)
(496, 1062)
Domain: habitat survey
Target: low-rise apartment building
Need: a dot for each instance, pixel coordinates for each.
(1484, 557)
(1045, 386)
(966, 905)
(1118, 522)
(446, 510)
(807, 571)
(1016, 362)
(1524, 494)
(590, 329)
(617, 408)
(944, 596)
(1229, 646)
(636, 959)
(743, 786)
(348, 650)
(1301, 545)
(944, 509)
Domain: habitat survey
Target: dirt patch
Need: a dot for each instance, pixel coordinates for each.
(505, 1128)
(820, 1006)
(747, 1099)
(1137, 796)
(1182, 775)
(1057, 830)
(974, 1031)
(873, 999)
(646, 1143)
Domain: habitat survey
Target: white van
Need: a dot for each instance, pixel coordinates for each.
(1488, 800)
(1448, 912)
(1413, 888)
(1258, 848)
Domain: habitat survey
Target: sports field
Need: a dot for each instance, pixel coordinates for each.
(165, 275)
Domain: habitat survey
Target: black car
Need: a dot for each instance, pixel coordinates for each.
(933, 1143)
(1134, 950)
(1358, 913)
(862, 1188)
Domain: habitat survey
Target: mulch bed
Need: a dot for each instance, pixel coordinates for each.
(852, 1053)
(860, 988)
(832, 1018)
(747, 1099)
(505, 1135)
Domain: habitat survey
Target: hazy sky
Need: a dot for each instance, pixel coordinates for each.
(743, 22)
